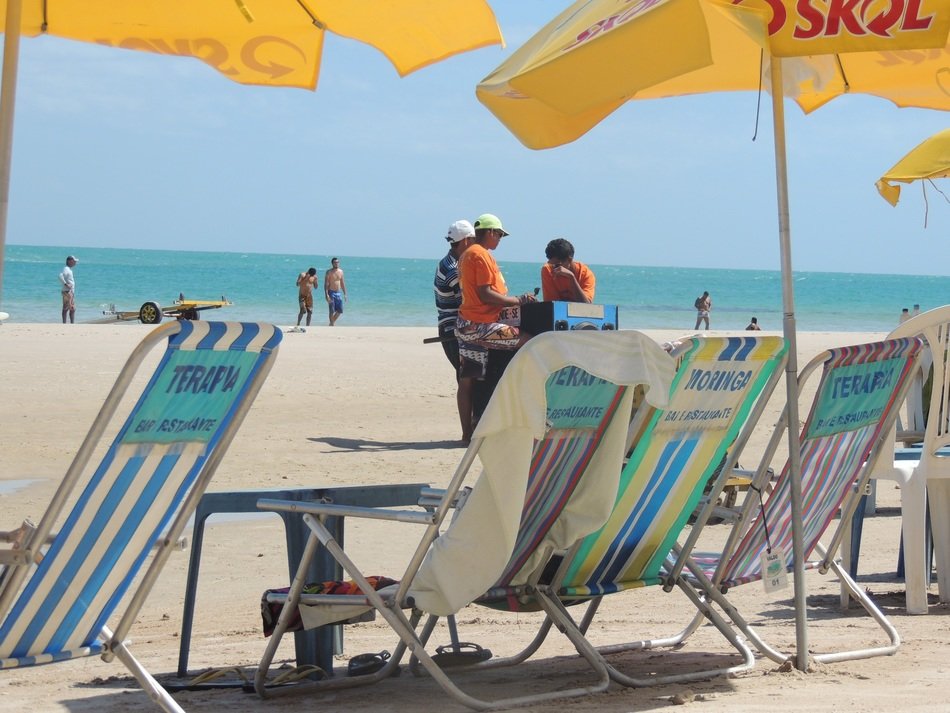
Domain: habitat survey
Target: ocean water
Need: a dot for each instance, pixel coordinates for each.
(398, 292)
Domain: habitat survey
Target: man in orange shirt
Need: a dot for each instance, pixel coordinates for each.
(562, 277)
(485, 319)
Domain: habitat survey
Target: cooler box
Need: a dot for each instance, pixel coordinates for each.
(537, 317)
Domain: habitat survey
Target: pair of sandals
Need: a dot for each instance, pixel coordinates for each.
(457, 654)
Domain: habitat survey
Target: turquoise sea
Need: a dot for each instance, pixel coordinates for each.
(398, 292)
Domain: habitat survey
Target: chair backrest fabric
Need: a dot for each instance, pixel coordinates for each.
(716, 385)
(856, 401)
(578, 416)
(200, 383)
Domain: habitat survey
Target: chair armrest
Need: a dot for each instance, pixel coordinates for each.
(316, 508)
(18, 554)
(16, 557)
(909, 438)
(432, 498)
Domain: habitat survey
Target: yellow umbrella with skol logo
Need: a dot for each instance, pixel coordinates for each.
(929, 160)
(599, 54)
(264, 42)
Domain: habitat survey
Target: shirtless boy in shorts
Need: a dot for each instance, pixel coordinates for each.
(306, 282)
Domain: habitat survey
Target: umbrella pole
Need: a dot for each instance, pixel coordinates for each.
(791, 368)
(11, 52)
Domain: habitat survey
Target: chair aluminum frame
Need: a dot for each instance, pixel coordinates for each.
(390, 602)
(559, 616)
(827, 554)
(18, 560)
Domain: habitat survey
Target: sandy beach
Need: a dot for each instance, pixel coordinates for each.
(358, 406)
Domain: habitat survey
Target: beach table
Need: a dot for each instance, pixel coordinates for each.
(318, 645)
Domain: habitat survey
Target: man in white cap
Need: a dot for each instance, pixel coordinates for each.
(67, 286)
(448, 297)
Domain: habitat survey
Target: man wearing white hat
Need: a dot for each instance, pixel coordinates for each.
(448, 298)
(67, 285)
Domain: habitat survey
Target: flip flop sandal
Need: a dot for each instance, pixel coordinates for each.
(463, 653)
(365, 664)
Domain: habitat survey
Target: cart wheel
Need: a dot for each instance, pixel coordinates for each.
(189, 314)
(150, 313)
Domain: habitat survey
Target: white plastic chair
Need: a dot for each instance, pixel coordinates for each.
(928, 476)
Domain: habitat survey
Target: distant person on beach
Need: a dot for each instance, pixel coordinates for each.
(448, 298)
(334, 287)
(703, 305)
(563, 278)
(306, 282)
(484, 321)
(753, 326)
(67, 287)
(905, 315)
(916, 311)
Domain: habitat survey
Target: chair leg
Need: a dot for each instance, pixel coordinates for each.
(849, 551)
(913, 529)
(857, 528)
(939, 498)
(928, 557)
(152, 687)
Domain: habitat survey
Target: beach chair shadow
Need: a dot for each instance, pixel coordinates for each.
(551, 445)
(721, 386)
(849, 422)
(365, 445)
(64, 579)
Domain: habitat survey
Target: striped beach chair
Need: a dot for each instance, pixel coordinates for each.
(551, 445)
(849, 421)
(720, 389)
(63, 579)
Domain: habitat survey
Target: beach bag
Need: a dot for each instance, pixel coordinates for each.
(698, 304)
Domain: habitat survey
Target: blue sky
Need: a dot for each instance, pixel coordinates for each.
(123, 149)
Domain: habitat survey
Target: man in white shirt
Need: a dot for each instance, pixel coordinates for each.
(67, 284)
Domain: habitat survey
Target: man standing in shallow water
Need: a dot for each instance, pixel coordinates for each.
(67, 285)
(334, 287)
(703, 304)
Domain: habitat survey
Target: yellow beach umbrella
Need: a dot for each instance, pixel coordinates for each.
(272, 42)
(931, 159)
(598, 54)
(267, 42)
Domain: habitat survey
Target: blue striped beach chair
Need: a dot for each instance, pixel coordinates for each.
(551, 445)
(860, 391)
(720, 389)
(64, 578)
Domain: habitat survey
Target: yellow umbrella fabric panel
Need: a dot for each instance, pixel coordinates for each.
(269, 42)
(599, 54)
(930, 159)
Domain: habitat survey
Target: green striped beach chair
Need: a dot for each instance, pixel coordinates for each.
(64, 578)
(855, 406)
(551, 445)
(720, 389)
